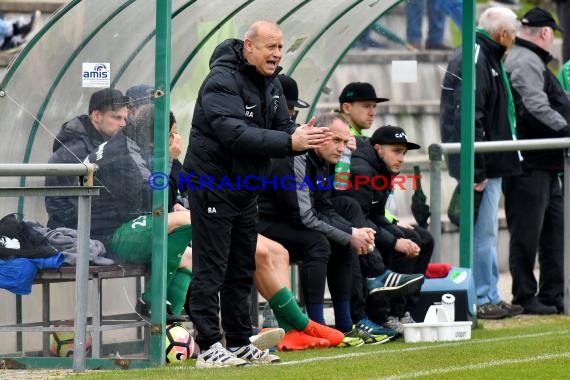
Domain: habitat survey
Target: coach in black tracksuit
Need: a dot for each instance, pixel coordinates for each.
(240, 121)
(391, 239)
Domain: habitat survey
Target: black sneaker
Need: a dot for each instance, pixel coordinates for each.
(534, 306)
(490, 311)
(391, 284)
(558, 303)
(144, 310)
(511, 309)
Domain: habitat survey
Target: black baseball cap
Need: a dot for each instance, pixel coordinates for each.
(388, 134)
(539, 17)
(106, 99)
(291, 92)
(359, 91)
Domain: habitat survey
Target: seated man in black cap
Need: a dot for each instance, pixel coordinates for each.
(405, 249)
(291, 92)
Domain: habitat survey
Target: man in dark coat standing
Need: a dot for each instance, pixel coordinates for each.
(240, 121)
(494, 121)
(534, 202)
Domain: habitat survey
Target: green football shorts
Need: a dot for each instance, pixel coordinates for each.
(133, 242)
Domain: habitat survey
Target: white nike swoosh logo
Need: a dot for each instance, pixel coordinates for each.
(285, 304)
(250, 107)
(374, 202)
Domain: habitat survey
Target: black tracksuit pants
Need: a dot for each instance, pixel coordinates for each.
(313, 250)
(370, 265)
(534, 208)
(398, 263)
(402, 264)
(223, 261)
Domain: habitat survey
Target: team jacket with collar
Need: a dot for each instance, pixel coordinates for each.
(123, 172)
(301, 197)
(372, 199)
(543, 108)
(240, 121)
(491, 110)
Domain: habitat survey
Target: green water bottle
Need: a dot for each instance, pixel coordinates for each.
(342, 171)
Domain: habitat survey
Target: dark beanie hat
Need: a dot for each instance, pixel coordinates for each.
(107, 99)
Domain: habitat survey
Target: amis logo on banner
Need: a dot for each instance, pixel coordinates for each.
(96, 74)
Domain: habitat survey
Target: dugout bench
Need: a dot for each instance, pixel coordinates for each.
(98, 322)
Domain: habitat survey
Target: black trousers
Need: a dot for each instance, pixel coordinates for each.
(223, 261)
(313, 250)
(396, 262)
(535, 217)
(400, 263)
(370, 265)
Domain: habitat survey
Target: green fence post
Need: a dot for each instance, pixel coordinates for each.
(160, 197)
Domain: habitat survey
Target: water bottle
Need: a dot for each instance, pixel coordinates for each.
(448, 302)
(342, 171)
(391, 203)
(269, 319)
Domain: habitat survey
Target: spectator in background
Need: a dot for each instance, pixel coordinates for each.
(436, 12)
(494, 121)
(563, 10)
(13, 33)
(533, 200)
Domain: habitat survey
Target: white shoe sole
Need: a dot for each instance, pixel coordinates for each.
(267, 339)
(200, 364)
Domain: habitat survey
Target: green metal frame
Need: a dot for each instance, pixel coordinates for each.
(54, 85)
(193, 53)
(467, 136)
(148, 38)
(337, 62)
(160, 198)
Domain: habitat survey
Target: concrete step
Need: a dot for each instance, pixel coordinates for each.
(27, 6)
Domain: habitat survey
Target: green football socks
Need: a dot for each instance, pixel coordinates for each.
(288, 313)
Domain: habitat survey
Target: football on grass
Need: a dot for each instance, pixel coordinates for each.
(61, 343)
(179, 344)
